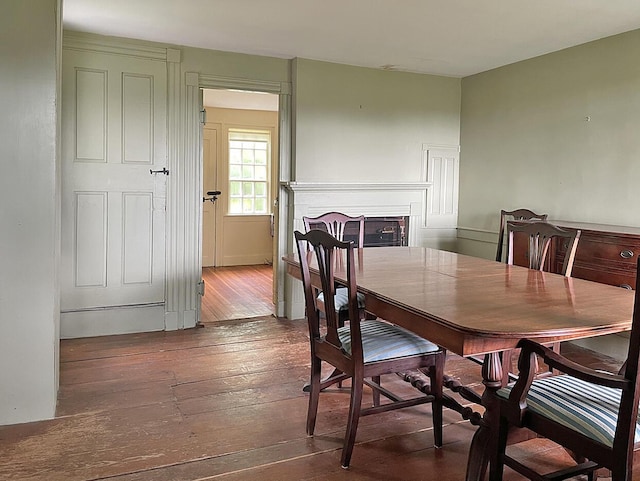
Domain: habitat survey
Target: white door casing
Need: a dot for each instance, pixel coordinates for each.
(113, 206)
(283, 240)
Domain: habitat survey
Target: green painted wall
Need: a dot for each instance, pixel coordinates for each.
(556, 134)
(361, 124)
(29, 194)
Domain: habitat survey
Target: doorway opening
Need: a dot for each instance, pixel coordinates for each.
(239, 172)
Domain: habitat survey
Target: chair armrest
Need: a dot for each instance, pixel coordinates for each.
(556, 361)
(527, 367)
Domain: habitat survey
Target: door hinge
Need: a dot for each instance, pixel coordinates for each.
(200, 288)
(203, 116)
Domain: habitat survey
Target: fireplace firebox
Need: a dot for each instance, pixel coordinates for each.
(378, 231)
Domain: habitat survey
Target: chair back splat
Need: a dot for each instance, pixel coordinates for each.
(365, 349)
(540, 236)
(591, 413)
(518, 214)
(335, 224)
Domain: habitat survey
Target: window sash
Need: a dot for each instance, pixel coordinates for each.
(249, 155)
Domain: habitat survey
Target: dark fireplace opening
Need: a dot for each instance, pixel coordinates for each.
(380, 231)
(386, 231)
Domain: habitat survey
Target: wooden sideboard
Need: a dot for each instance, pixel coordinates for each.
(606, 253)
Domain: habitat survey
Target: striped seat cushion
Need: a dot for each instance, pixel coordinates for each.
(341, 299)
(382, 341)
(579, 405)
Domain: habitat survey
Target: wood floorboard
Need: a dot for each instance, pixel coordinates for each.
(237, 292)
(224, 402)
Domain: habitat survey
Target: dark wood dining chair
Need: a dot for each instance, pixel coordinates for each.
(364, 349)
(591, 413)
(518, 214)
(540, 236)
(335, 223)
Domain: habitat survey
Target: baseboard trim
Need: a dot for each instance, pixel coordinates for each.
(112, 320)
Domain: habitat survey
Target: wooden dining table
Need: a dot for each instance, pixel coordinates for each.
(478, 307)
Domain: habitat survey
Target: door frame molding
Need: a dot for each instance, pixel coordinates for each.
(187, 241)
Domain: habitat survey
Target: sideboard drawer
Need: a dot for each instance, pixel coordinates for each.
(611, 277)
(606, 254)
(608, 249)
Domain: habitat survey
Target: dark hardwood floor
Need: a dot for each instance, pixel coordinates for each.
(224, 402)
(238, 292)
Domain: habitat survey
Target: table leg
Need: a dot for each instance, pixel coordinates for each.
(483, 439)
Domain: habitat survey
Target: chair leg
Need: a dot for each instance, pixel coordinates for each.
(314, 394)
(335, 373)
(436, 379)
(343, 317)
(354, 416)
(376, 393)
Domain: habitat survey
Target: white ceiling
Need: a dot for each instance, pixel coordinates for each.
(445, 37)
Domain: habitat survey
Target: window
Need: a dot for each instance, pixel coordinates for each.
(249, 154)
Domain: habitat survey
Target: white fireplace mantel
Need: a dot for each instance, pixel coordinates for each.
(430, 204)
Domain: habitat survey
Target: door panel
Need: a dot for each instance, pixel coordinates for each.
(209, 183)
(247, 240)
(113, 207)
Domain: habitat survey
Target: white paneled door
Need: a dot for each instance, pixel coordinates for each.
(113, 203)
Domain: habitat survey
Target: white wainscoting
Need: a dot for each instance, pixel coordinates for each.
(477, 242)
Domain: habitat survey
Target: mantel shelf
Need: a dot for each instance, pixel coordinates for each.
(354, 186)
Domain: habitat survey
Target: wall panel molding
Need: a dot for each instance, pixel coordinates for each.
(137, 238)
(137, 118)
(90, 238)
(90, 115)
